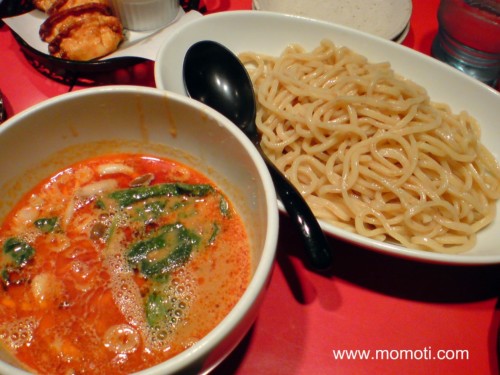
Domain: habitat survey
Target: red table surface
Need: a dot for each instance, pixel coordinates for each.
(369, 301)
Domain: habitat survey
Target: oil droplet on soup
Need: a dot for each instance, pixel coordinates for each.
(116, 264)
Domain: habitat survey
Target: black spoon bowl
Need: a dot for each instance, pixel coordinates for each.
(215, 76)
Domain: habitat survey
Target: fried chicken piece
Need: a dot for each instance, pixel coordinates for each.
(60, 5)
(43, 5)
(82, 33)
(87, 40)
(60, 22)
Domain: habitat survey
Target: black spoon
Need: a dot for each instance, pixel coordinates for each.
(216, 77)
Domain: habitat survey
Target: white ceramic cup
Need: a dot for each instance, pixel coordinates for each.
(145, 15)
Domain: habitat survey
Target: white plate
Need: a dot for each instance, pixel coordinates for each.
(142, 44)
(270, 33)
(384, 18)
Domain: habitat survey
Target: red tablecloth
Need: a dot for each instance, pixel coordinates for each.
(410, 312)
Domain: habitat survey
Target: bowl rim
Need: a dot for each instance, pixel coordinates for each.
(264, 267)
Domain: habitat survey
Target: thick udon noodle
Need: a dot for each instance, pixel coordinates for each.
(370, 152)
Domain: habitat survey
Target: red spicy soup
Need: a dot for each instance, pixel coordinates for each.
(116, 264)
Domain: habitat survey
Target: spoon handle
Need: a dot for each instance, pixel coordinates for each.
(317, 249)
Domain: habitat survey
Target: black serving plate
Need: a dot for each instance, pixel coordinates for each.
(62, 68)
(10, 8)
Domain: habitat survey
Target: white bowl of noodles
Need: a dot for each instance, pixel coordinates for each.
(53, 135)
(268, 34)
